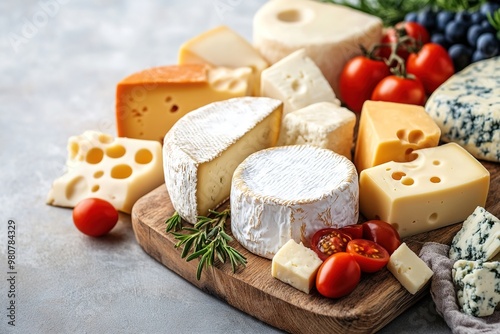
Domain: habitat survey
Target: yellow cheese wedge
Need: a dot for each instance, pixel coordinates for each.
(391, 132)
(148, 103)
(442, 186)
(222, 46)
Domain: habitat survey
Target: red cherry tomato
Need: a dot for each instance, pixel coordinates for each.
(382, 233)
(432, 65)
(94, 217)
(354, 231)
(338, 275)
(358, 79)
(370, 256)
(417, 32)
(399, 89)
(328, 241)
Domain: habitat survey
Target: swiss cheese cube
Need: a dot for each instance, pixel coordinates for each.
(391, 132)
(203, 149)
(322, 124)
(410, 270)
(296, 265)
(442, 186)
(118, 170)
(222, 46)
(331, 34)
(148, 103)
(297, 81)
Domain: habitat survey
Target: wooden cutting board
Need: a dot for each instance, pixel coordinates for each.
(377, 300)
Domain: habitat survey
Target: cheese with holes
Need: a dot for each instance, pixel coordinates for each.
(410, 270)
(290, 192)
(203, 149)
(467, 109)
(148, 103)
(330, 34)
(442, 186)
(297, 81)
(222, 46)
(391, 132)
(118, 170)
(478, 286)
(322, 124)
(296, 265)
(479, 237)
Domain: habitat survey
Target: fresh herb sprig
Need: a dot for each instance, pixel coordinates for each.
(206, 240)
(494, 20)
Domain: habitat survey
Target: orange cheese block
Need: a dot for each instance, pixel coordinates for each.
(391, 132)
(148, 103)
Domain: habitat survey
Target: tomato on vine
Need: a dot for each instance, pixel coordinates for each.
(400, 89)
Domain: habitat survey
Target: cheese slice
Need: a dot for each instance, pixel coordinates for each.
(442, 186)
(410, 270)
(203, 149)
(331, 34)
(222, 46)
(148, 103)
(391, 132)
(290, 192)
(322, 124)
(296, 265)
(118, 170)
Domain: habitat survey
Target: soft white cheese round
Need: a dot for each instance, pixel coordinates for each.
(291, 192)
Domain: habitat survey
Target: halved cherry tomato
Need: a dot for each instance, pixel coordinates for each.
(354, 231)
(328, 241)
(382, 233)
(94, 216)
(370, 256)
(432, 65)
(358, 80)
(400, 89)
(338, 275)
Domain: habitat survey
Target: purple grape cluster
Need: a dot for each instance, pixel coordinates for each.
(467, 35)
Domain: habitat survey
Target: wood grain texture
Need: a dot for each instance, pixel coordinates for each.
(377, 300)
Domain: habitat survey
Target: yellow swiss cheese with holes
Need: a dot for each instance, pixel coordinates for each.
(391, 132)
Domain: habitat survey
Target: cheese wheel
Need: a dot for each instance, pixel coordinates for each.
(290, 192)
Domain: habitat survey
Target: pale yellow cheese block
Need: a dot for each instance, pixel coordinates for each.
(391, 132)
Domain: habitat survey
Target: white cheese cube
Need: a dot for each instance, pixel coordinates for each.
(297, 81)
(322, 124)
(296, 265)
(410, 270)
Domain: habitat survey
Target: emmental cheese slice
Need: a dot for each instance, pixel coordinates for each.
(391, 132)
(290, 192)
(331, 34)
(442, 186)
(203, 149)
(148, 103)
(222, 46)
(322, 124)
(297, 81)
(118, 170)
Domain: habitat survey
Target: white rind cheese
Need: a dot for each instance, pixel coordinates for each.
(117, 170)
(204, 147)
(331, 34)
(467, 109)
(479, 238)
(290, 192)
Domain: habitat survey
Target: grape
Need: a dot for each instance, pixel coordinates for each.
(473, 33)
(477, 17)
(463, 16)
(427, 18)
(487, 43)
(411, 17)
(489, 7)
(487, 26)
(477, 56)
(440, 39)
(443, 18)
(456, 31)
(461, 56)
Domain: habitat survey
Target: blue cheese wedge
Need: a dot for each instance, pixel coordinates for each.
(479, 238)
(478, 286)
(467, 109)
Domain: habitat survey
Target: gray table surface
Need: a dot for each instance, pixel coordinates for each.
(59, 63)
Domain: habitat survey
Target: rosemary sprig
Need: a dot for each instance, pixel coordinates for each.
(495, 21)
(206, 240)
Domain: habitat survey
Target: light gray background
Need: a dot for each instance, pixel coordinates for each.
(59, 64)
